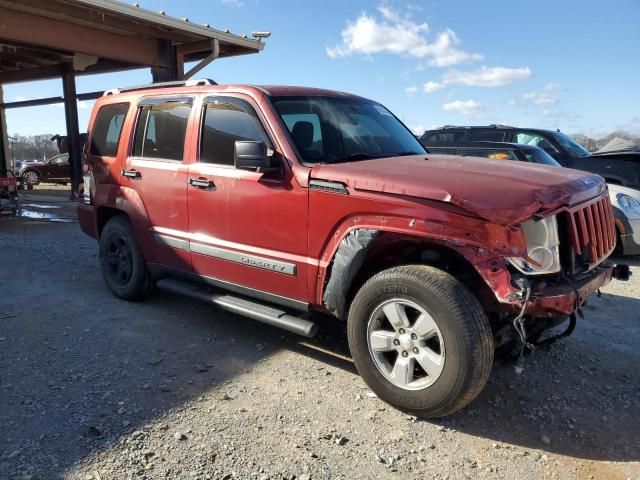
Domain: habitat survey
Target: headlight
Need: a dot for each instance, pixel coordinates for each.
(543, 255)
(630, 205)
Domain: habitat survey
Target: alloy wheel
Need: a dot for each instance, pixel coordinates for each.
(406, 344)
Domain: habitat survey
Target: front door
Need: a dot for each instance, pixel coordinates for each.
(157, 172)
(59, 167)
(247, 228)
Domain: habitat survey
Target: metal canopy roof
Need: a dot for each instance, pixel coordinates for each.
(37, 37)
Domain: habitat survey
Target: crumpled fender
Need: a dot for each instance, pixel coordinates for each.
(481, 243)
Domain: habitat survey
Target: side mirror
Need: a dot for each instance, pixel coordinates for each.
(250, 155)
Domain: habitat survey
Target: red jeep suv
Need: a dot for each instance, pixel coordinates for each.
(276, 202)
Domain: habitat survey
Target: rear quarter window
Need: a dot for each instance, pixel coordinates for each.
(442, 137)
(107, 129)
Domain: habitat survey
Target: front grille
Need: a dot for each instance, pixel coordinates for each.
(592, 231)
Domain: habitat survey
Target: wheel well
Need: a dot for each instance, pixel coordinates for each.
(104, 214)
(30, 169)
(391, 250)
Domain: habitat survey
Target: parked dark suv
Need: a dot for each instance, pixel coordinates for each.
(32, 172)
(284, 203)
(618, 168)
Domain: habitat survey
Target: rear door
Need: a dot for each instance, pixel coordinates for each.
(247, 228)
(156, 169)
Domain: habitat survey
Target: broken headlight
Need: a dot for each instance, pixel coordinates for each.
(543, 254)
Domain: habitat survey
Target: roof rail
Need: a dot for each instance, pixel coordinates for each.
(180, 83)
(499, 125)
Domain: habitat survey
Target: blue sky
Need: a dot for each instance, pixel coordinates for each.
(573, 65)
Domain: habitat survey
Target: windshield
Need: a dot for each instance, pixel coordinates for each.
(337, 129)
(569, 144)
(537, 155)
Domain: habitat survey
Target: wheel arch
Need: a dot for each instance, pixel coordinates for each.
(365, 252)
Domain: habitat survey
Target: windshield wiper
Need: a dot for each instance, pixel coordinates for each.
(354, 157)
(406, 154)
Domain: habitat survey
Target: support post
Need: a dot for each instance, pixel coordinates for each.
(73, 132)
(4, 138)
(167, 68)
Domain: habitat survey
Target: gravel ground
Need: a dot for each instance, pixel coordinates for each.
(92, 387)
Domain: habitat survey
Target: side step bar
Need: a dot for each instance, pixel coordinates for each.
(257, 311)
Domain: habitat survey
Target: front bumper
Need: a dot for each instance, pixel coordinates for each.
(565, 297)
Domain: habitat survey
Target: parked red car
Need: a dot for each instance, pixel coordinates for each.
(33, 172)
(274, 202)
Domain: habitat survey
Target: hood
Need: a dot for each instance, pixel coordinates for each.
(504, 192)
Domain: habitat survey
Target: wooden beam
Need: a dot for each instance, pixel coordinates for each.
(30, 74)
(57, 34)
(37, 102)
(91, 17)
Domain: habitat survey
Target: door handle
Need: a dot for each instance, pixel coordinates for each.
(133, 173)
(203, 183)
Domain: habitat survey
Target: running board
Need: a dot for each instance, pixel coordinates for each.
(257, 311)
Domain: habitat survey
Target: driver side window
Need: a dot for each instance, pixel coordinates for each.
(224, 124)
(530, 138)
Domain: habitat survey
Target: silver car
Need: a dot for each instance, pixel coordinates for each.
(626, 206)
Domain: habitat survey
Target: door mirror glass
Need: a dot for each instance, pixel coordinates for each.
(252, 155)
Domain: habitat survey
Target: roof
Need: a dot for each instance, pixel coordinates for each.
(206, 85)
(38, 37)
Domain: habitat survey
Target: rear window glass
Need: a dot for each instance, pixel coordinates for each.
(107, 129)
(442, 137)
(488, 153)
(488, 136)
(161, 131)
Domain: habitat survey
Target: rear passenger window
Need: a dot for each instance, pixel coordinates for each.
(488, 136)
(161, 131)
(107, 129)
(224, 124)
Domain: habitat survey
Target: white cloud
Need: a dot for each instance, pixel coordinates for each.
(545, 98)
(389, 32)
(431, 87)
(465, 107)
(487, 76)
(411, 90)
(232, 3)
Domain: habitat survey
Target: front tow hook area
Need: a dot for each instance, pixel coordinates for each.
(621, 272)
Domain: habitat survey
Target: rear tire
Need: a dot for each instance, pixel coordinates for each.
(123, 266)
(420, 340)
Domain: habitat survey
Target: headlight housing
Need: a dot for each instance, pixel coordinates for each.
(629, 205)
(543, 253)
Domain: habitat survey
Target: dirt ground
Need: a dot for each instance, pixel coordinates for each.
(92, 387)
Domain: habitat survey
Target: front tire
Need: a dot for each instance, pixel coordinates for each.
(420, 340)
(123, 266)
(31, 178)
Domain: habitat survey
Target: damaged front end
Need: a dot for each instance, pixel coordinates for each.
(566, 263)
